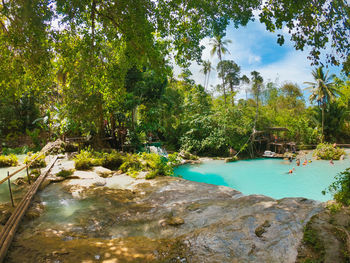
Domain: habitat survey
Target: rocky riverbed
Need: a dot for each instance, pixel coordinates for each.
(102, 216)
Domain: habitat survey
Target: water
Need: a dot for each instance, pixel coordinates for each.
(4, 191)
(268, 176)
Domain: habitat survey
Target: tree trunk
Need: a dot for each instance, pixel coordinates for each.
(322, 139)
(232, 97)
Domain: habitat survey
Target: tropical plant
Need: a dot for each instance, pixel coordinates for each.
(322, 90)
(207, 68)
(340, 188)
(230, 71)
(257, 84)
(245, 80)
(327, 151)
(219, 47)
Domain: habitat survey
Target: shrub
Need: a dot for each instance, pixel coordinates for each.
(327, 151)
(131, 164)
(157, 165)
(188, 156)
(38, 162)
(8, 160)
(65, 173)
(84, 160)
(88, 158)
(112, 160)
(35, 173)
(174, 159)
(340, 188)
(17, 150)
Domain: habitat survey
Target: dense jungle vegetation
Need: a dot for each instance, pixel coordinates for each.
(104, 69)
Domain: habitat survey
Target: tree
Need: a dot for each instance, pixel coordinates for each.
(257, 82)
(230, 72)
(322, 90)
(245, 80)
(206, 71)
(219, 47)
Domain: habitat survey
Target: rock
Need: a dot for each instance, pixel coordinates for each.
(142, 175)
(200, 223)
(4, 216)
(101, 171)
(45, 183)
(260, 230)
(175, 221)
(100, 182)
(34, 212)
(19, 181)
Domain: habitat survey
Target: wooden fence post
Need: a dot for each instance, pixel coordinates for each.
(8, 180)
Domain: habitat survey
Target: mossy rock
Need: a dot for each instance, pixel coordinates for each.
(260, 230)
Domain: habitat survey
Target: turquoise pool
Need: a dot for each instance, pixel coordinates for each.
(268, 176)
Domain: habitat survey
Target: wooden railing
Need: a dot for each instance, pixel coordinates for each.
(26, 166)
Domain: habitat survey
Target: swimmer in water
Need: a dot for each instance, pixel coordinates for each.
(290, 172)
(298, 162)
(331, 162)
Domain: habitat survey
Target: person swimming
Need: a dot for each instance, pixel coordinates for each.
(298, 162)
(331, 162)
(305, 162)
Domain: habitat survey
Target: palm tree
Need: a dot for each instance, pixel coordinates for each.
(219, 47)
(322, 90)
(206, 71)
(257, 82)
(245, 80)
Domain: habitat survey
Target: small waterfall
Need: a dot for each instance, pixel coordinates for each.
(157, 150)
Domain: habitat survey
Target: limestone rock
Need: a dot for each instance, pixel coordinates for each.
(101, 171)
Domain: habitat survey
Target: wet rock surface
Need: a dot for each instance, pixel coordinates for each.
(326, 238)
(161, 220)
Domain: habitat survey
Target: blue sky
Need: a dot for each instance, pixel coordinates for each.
(254, 48)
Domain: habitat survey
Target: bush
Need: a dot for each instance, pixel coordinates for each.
(112, 160)
(9, 160)
(84, 160)
(340, 188)
(131, 164)
(327, 151)
(188, 156)
(17, 150)
(38, 163)
(174, 159)
(65, 173)
(157, 165)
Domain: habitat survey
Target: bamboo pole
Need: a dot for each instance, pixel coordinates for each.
(9, 230)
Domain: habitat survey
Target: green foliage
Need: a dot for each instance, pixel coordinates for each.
(311, 238)
(327, 151)
(18, 150)
(174, 159)
(131, 164)
(334, 207)
(156, 165)
(112, 160)
(8, 160)
(188, 156)
(38, 162)
(35, 173)
(85, 159)
(340, 188)
(34, 135)
(65, 173)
